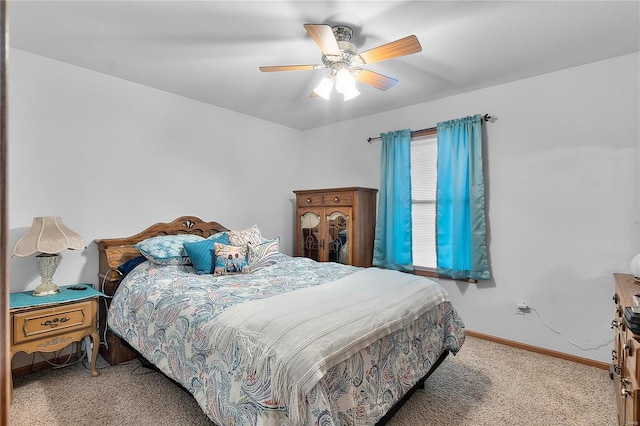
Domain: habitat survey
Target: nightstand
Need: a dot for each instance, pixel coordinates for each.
(50, 323)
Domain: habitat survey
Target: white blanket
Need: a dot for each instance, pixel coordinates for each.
(301, 334)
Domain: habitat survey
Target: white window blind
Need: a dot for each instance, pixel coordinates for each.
(424, 174)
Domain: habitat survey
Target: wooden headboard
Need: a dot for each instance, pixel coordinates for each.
(113, 252)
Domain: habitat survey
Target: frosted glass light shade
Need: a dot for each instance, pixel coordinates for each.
(324, 88)
(635, 267)
(48, 235)
(344, 80)
(351, 93)
(346, 84)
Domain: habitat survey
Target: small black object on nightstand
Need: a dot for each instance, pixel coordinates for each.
(77, 287)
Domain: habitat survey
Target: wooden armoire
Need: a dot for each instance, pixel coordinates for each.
(336, 224)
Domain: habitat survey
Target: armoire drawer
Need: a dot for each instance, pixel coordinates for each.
(338, 199)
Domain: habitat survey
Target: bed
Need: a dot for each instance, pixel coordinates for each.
(285, 341)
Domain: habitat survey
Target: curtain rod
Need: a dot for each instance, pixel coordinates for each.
(423, 132)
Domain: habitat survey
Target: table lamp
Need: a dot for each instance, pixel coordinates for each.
(48, 236)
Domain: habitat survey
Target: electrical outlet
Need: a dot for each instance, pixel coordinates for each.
(521, 308)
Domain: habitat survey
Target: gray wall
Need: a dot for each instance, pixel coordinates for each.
(112, 157)
(562, 185)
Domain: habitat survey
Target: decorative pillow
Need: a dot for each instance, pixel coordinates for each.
(201, 252)
(230, 259)
(221, 236)
(244, 236)
(130, 265)
(166, 249)
(263, 255)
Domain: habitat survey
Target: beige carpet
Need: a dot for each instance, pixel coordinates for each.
(485, 384)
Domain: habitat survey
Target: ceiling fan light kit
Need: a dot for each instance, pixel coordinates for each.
(341, 57)
(324, 88)
(346, 84)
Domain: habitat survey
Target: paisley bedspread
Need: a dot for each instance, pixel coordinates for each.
(161, 311)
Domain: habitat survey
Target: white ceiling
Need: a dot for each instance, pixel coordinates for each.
(211, 50)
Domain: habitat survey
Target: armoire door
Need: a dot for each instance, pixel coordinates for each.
(337, 235)
(309, 234)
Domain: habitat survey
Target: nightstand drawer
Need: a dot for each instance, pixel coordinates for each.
(34, 324)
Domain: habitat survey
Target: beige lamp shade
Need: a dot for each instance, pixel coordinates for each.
(48, 235)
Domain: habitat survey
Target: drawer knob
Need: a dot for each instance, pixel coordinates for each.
(336, 199)
(54, 322)
(308, 200)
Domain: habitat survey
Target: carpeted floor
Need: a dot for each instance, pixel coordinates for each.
(485, 384)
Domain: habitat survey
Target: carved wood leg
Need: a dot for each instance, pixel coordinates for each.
(92, 351)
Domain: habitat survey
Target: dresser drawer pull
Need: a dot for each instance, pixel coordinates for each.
(308, 200)
(55, 322)
(624, 391)
(336, 199)
(627, 348)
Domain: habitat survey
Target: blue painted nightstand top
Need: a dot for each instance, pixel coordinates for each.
(26, 299)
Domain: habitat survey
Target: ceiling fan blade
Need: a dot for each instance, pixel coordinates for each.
(376, 80)
(324, 38)
(401, 47)
(289, 68)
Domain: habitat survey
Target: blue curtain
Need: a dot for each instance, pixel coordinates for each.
(460, 210)
(392, 244)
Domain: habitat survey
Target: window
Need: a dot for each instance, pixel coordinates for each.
(424, 173)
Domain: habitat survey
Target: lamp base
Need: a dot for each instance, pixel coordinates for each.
(46, 290)
(47, 264)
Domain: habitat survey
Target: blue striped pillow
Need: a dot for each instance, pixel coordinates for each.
(200, 252)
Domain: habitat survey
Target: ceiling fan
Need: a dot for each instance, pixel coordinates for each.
(341, 57)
